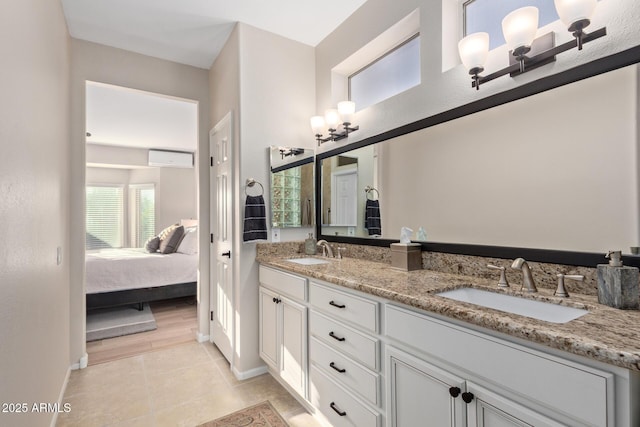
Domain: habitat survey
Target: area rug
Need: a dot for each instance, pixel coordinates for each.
(260, 415)
(118, 321)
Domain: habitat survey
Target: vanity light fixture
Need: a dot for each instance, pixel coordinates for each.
(290, 151)
(332, 120)
(526, 52)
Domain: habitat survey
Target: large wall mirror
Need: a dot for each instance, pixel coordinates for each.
(555, 173)
(292, 187)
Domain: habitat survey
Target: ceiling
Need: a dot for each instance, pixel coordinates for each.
(194, 31)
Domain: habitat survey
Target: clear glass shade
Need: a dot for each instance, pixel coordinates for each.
(317, 125)
(520, 27)
(473, 50)
(571, 11)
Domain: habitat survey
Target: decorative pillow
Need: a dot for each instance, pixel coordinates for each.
(164, 233)
(189, 243)
(169, 244)
(153, 244)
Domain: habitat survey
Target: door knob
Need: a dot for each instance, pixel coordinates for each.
(467, 397)
(227, 254)
(454, 391)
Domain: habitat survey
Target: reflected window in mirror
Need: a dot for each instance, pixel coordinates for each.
(292, 187)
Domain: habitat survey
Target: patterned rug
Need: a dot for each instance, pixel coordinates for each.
(260, 415)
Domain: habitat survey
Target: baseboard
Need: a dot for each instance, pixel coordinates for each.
(250, 373)
(54, 420)
(200, 337)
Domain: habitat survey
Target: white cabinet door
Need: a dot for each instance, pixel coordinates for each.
(269, 339)
(488, 409)
(294, 344)
(422, 394)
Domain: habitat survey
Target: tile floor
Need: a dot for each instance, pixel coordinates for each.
(185, 385)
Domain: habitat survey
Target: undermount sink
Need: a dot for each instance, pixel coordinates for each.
(511, 304)
(308, 261)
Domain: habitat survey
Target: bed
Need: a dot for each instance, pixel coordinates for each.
(133, 276)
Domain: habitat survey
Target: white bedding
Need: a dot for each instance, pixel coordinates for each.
(133, 268)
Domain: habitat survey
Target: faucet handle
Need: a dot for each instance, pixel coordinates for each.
(502, 283)
(561, 291)
(340, 251)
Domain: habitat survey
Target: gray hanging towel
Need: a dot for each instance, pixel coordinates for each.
(372, 217)
(255, 221)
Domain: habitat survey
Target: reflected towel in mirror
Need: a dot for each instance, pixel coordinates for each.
(372, 217)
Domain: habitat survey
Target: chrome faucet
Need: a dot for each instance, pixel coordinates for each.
(326, 248)
(527, 282)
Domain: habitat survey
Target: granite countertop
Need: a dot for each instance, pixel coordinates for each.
(605, 334)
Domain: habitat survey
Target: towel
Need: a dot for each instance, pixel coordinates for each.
(372, 217)
(255, 221)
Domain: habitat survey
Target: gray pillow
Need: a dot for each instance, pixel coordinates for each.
(153, 244)
(169, 244)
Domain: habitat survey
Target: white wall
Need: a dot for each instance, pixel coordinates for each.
(441, 91)
(34, 212)
(557, 170)
(91, 61)
(268, 83)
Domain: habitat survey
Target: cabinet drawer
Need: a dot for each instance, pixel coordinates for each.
(579, 391)
(284, 283)
(345, 339)
(357, 310)
(330, 399)
(344, 371)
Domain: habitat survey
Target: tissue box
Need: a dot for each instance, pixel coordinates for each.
(406, 256)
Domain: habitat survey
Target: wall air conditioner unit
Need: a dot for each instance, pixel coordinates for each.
(172, 159)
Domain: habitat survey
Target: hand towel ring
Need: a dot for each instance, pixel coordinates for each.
(369, 190)
(250, 183)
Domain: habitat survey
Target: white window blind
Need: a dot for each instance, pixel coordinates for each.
(387, 76)
(105, 216)
(486, 16)
(142, 214)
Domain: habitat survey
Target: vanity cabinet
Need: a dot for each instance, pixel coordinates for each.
(481, 380)
(344, 352)
(283, 326)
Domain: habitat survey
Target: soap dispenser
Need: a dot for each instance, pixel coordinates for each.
(310, 245)
(617, 283)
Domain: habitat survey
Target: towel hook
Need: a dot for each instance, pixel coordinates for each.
(369, 190)
(250, 183)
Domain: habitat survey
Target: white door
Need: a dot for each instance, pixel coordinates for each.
(221, 211)
(344, 198)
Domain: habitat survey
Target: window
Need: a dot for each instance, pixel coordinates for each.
(389, 75)
(105, 216)
(486, 16)
(286, 198)
(142, 214)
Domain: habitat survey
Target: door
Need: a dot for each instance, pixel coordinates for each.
(420, 392)
(344, 198)
(294, 344)
(269, 340)
(221, 262)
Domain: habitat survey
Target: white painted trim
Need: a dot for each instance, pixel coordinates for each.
(200, 337)
(244, 375)
(82, 363)
(54, 420)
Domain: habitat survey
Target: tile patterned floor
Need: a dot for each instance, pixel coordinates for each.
(185, 385)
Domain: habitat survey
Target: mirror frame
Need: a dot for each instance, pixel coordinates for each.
(587, 259)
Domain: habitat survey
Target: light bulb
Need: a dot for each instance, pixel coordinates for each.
(520, 27)
(332, 118)
(474, 50)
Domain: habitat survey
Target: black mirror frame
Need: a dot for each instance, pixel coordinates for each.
(587, 259)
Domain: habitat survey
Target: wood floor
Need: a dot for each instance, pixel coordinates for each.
(177, 324)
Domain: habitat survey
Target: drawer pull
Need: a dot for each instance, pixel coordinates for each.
(335, 337)
(338, 411)
(341, 370)
(337, 305)
(454, 391)
(467, 397)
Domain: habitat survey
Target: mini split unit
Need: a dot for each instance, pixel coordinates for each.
(173, 159)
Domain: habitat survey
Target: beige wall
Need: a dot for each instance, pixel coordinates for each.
(91, 61)
(268, 82)
(34, 207)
